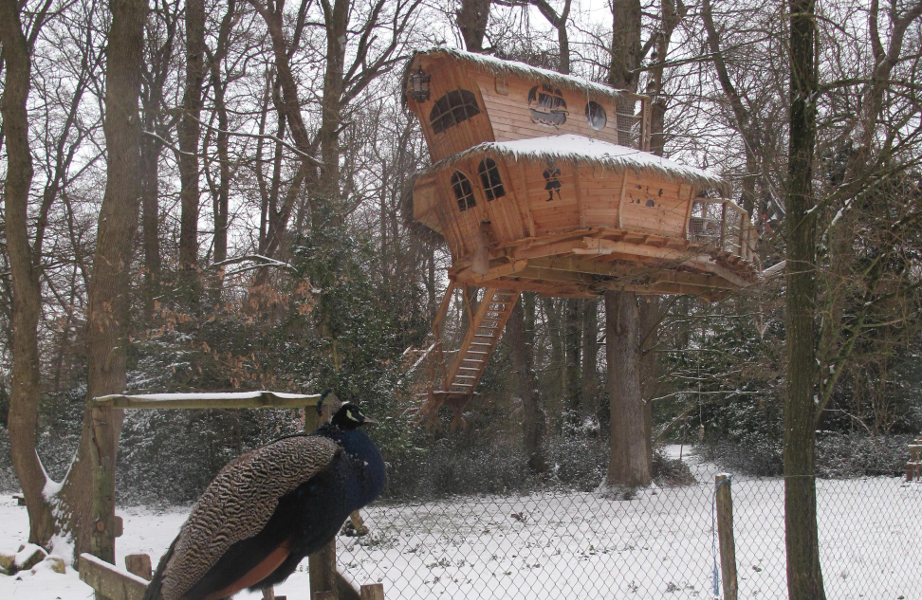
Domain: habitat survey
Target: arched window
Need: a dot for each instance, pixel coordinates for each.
(452, 108)
(464, 193)
(596, 116)
(489, 178)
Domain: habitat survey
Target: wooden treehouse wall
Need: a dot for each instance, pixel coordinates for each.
(506, 114)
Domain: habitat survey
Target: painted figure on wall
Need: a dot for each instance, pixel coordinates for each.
(552, 181)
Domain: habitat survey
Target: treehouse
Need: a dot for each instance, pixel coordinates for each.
(535, 188)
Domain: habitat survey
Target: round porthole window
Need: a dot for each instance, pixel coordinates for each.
(596, 116)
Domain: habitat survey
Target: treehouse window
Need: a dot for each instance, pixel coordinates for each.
(451, 109)
(464, 193)
(489, 178)
(547, 105)
(596, 116)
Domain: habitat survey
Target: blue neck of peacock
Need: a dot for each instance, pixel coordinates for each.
(372, 474)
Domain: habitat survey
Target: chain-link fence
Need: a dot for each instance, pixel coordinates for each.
(657, 543)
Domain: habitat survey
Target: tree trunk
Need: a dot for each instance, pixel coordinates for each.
(472, 18)
(188, 134)
(572, 343)
(629, 464)
(533, 416)
(590, 383)
(805, 579)
(337, 21)
(24, 388)
(150, 183)
(557, 365)
(222, 198)
(89, 490)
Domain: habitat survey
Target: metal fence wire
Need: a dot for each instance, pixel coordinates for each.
(655, 543)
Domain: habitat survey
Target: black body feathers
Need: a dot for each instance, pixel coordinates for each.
(269, 509)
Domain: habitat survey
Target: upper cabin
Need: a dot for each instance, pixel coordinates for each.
(474, 98)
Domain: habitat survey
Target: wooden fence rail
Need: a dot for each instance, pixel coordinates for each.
(116, 583)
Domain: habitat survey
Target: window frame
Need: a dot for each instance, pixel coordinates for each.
(455, 107)
(604, 113)
(466, 200)
(490, 179)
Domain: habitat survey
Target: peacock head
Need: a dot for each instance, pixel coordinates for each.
(350, 416)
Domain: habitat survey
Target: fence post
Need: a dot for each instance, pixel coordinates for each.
(372, 591)
(140, 565)
(322, 564)
(914, 466)
(725, 536)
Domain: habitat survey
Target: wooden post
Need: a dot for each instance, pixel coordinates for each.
(109, 581)
(372, 591)
(140, 565)
(645, 124)
(102, 455)
(914, 466)
(725, 536)
(322, 564)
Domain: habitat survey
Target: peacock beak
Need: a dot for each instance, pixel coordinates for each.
(370, 420)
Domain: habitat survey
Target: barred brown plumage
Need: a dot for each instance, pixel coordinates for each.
(269, 509)
(239, 503)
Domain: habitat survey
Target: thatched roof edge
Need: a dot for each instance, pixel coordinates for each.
(499, 67)
(636, 160)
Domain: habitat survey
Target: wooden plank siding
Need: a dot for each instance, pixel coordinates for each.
(505, 115)
(511, 118)
(448, 76)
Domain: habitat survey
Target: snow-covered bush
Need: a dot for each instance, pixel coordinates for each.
(8, 482)
(851, 455)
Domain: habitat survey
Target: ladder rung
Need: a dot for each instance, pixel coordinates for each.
(480, 344)
(491, 336)
(476, 352)
(468, 368)
(461, 385)
(473, 360)
(465, 377)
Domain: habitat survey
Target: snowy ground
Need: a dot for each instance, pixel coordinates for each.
(578, 545)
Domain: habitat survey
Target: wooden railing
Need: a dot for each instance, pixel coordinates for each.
(632, 121)
(724, 225)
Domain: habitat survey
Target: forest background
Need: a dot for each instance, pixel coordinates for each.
(250, 229)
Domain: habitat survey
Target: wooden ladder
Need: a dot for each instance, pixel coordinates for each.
(461, 378)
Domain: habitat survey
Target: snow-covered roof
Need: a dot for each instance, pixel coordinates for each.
(497, 66)
(578, 149)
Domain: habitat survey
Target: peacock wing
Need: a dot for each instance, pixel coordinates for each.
(239, 503)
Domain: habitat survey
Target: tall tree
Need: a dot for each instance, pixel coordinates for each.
(805, 579)
(89, 490)
(158, 66)
(629, 463)
(534, 419)
(189, 134)
(24, 261)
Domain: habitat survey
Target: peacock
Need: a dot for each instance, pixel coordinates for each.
(270, 508)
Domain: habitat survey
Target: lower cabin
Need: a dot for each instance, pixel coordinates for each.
(571, 216)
